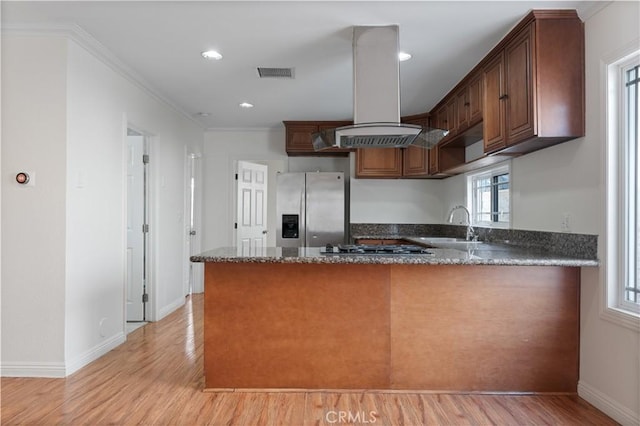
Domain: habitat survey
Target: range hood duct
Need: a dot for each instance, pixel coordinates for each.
(376, 96)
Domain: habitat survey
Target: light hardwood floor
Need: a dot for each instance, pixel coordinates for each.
(156, 377)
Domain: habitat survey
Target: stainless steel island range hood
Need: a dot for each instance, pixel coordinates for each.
(376, 96)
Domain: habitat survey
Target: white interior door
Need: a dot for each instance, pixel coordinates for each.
(135, 222)
(195, 275)
(251, 218)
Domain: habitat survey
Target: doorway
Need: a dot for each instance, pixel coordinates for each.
(251, 212)
(194, 272)
(137, 227)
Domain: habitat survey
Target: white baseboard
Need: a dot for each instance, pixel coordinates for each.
(95, 353)
(60, 369)
(170, 308)
(33, 369)
(604, 403)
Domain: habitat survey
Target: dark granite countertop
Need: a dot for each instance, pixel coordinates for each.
(481, 254)
(497, 247)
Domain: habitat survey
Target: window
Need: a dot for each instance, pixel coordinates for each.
(630, 184)
(489, 197)
(623, 183)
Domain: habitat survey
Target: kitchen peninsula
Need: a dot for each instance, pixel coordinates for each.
(494, 319)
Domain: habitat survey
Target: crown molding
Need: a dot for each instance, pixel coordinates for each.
(88, 42)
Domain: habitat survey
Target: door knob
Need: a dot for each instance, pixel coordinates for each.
(192, 232)
(265, 231)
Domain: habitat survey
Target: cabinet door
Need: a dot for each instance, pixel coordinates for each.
(379, 163)
(451, 116)
(519, 88)
(441, 118)
(415, 161)
(434, 167)
(299, 137)
(474, 98)
(462, 109)
(493, 109)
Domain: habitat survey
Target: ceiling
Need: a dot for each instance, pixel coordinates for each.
(162, 41)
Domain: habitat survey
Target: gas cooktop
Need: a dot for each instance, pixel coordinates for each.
(365, 249)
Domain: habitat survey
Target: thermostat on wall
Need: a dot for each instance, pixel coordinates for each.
(25, 178)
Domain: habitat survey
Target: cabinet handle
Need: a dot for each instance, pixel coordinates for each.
(505, 96)
(467, 104)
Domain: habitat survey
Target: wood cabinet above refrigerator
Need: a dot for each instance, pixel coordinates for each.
(298, 138)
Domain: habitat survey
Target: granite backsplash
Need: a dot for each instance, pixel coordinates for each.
(583, 246)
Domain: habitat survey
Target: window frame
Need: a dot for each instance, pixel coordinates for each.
(627, 186)
(618, 192)
(492, 172)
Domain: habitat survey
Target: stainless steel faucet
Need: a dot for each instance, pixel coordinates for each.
(470, 232)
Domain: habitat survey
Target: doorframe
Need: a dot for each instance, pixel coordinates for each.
(193, 161)
(274, 166)
(151, 307)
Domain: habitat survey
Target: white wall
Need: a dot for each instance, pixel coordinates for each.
(222, 151)
(609, 353)
(101, 105)
(33, 218)
(63, 296)
(396, 201)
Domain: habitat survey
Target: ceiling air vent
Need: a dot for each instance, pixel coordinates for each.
(275, 72)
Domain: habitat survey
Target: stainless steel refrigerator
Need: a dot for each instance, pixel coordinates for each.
(310, 209)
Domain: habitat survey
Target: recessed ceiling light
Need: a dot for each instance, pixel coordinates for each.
(211, 54)
(404, 56)
(203, 114)
(246, 105)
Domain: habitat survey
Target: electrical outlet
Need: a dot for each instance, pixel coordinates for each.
(565, 224)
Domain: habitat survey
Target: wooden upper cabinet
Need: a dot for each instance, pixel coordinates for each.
(411, 162)
(379, 162)
(415, 158)
(462, 108)
(534, 84)
(415, 162)
(451, 115)
(475, 99)
(434, 167)
(508, 106)
(494, 108)
(441, 118)
(467, 107)
(298, 137)
(519, 87)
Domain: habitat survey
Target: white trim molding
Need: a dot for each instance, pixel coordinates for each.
(604, 403)
(61, 369)
(33, 369)
(94, 353)
(166, 310)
